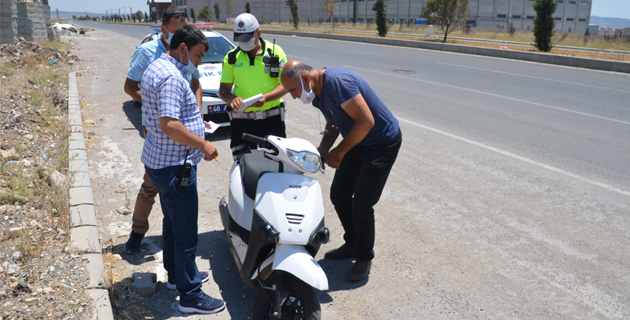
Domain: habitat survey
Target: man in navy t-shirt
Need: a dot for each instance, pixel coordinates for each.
(363, 159)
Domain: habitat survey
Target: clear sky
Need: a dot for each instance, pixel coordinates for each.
(601, 8)
(611, 8)
(98, 6)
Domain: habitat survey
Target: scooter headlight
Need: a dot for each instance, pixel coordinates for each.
(306, 160)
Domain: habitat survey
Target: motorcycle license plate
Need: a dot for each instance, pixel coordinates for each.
(217, 108)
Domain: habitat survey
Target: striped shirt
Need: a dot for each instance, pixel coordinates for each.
(166, 93)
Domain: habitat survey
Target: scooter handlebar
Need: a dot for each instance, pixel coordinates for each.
(255, 139)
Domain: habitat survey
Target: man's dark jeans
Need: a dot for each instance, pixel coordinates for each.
(357, 187)
(179, 229)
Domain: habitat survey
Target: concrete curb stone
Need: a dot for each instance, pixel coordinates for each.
(84, 235)
(74, 119)
(80, 165)
(597, 64)
(76, 145)
(83, 215)
(102, 304)
(76, 128)
(77, 154)
(84, 239)
(75, 136)
(80, 179)
(96, 270)
(81, 195)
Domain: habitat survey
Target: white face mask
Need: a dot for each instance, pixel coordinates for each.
(307, 97)
(249, 45)
(190, 67)
(168, 40)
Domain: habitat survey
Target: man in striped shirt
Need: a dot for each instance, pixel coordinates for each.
(174, 146)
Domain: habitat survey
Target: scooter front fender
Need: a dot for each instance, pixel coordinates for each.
(298, 262)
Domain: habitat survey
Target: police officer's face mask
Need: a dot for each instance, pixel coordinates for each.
(249, 45)
(307, 97)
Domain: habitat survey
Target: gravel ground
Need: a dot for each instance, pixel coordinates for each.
(39, 277)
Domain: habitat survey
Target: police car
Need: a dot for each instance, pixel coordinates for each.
(210, 71)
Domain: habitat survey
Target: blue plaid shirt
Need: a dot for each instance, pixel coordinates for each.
(166, 93)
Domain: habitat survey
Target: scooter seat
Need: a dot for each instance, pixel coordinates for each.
(253, 165)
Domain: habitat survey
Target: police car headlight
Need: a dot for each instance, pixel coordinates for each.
(306, 160)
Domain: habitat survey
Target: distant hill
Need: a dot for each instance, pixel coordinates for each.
(613, 23)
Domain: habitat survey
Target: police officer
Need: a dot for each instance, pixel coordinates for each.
(253, 68)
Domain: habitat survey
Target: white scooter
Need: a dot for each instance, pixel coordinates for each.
(274, 222)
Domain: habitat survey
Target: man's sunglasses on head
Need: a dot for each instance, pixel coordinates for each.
(178, 15)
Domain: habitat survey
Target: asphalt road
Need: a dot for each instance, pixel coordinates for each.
(571, 119)
(510, 198)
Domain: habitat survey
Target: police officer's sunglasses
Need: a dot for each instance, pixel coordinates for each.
(178, 15)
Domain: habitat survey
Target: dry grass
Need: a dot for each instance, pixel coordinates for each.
(34, 182)
(127, 304)
(418, 32)
(55, 44)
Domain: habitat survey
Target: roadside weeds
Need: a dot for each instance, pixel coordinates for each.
(39, 278)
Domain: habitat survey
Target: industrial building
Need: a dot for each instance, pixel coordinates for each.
(267, 11)
(24, 18)
(158, 7)
(571, 15)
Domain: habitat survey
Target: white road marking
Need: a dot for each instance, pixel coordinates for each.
(517, 157)
(533, 77)
(493, 95)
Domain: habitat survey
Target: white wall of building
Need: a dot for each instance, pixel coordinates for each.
(571, 15)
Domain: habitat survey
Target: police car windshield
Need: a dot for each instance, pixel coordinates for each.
(217, 49)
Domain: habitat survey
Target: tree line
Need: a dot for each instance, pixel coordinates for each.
(448, 15)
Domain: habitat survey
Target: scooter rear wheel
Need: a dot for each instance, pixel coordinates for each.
(299, 301)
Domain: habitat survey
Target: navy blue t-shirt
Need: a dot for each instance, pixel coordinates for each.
(340, 85)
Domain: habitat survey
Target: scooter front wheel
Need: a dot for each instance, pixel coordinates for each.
(299, 301)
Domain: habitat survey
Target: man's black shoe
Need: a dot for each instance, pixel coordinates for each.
(360, 270)
(342, 252)
(204, 304)
(133, 244)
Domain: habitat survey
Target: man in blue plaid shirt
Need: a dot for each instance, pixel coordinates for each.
(174, 146)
